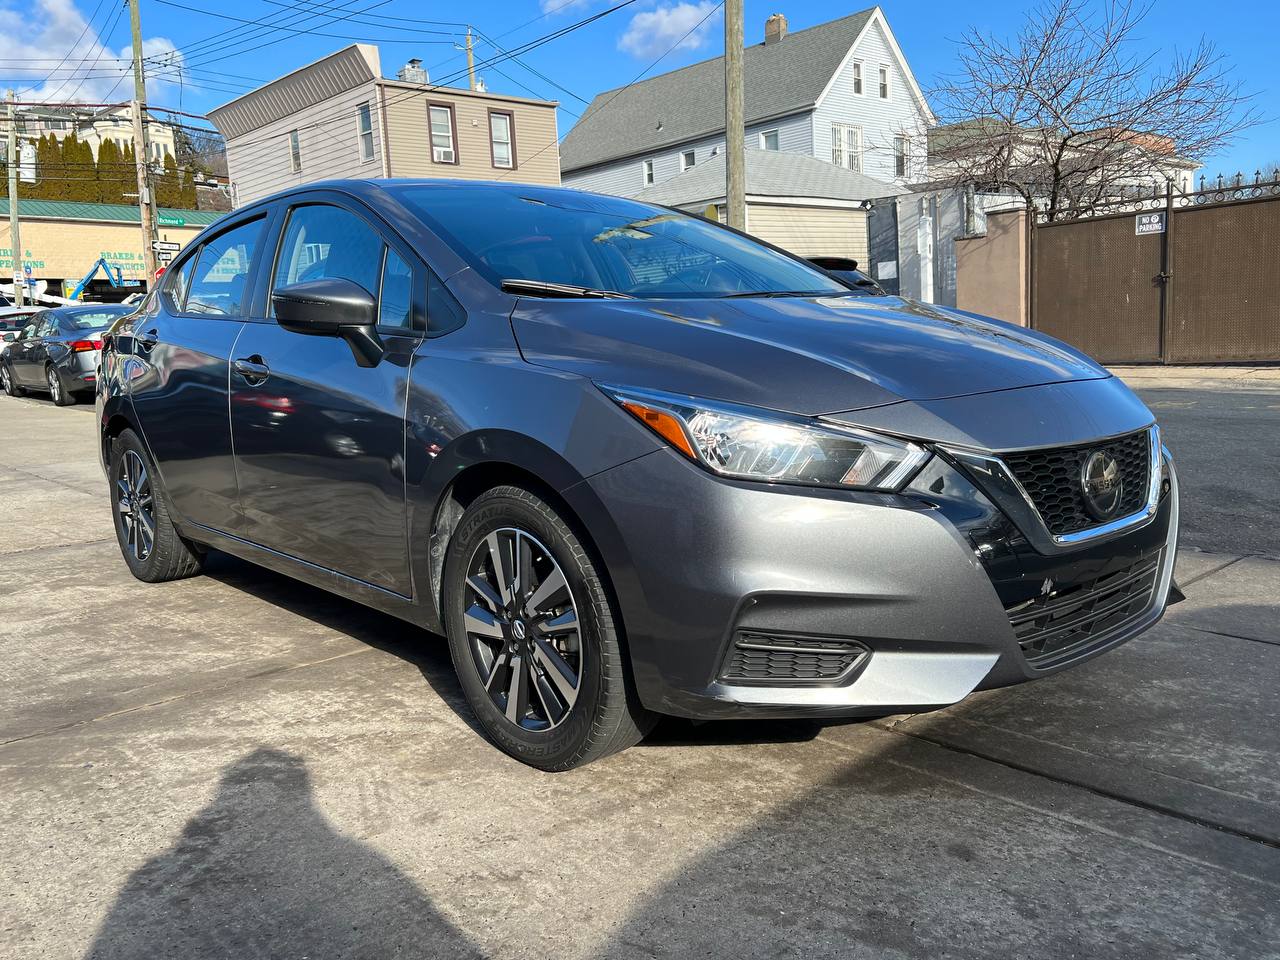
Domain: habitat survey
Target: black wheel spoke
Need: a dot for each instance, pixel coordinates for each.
(135, 505)
(521, 625)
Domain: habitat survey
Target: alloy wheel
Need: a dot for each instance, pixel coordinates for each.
(523, 630)
(5, 382)
(55, 384)
(136, 505)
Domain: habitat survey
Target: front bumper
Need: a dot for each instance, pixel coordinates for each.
(922, 580)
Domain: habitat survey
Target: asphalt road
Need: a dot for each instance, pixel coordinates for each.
(242, 766)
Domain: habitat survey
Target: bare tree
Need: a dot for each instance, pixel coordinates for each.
(1069, 112)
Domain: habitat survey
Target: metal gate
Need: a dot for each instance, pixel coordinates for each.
(1182, 278)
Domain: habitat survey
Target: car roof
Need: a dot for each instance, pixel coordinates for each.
(371, 189)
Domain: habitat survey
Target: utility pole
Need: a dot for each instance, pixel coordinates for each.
(146, 201)
(471, 61)
(15, 232)
(734, 132)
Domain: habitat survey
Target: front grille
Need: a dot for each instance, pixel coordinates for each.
(761, 658)
(1050, 628)
(1052, 480)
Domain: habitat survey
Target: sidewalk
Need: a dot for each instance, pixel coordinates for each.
(1155, 373)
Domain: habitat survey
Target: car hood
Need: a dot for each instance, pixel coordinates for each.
(804, 355)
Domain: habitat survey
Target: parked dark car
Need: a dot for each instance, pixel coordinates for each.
(846, 271)
(12, 320)
(57, 351)
(630, 462)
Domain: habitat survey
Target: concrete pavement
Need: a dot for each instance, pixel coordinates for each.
(242, 766)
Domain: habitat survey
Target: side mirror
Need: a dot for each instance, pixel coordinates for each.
(8, 336)
(332, 307)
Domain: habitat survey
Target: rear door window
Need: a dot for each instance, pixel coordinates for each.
(221, 272)
(176, 283)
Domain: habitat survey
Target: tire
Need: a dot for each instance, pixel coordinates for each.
(149, 542)
(58, 391)
(10, 385)
(497, 639)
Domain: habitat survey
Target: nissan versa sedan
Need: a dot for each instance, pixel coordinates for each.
(57, 352)
(630, 462)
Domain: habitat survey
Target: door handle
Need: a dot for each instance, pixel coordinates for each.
(252, 369)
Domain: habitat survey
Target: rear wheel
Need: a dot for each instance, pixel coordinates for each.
(148, 539)
(57, 389)
(533, 636)
(7, 381)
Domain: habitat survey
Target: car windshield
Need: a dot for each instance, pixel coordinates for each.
(92, 318)
(605, 244)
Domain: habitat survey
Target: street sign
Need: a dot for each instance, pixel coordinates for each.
(169, 220)
(168, 246)
(1149, 223)
(164, 256)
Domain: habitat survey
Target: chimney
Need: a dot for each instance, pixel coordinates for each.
(775, 28)
(412, 72)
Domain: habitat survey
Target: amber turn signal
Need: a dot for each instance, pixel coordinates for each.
(663, 424)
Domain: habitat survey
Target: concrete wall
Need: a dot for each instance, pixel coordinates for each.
(991, 270)
(537, 153)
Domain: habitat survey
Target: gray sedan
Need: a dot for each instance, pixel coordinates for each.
(57, 352)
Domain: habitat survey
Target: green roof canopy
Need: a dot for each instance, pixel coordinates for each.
(118, 212)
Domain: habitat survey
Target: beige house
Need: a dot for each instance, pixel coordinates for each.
(802, 204)
(338, 118)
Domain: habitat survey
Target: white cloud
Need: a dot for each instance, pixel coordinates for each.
(654, 32)
(45, 34)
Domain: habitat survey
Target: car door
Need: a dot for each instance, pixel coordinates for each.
(25, 364)
(319, 439)
(181, 348)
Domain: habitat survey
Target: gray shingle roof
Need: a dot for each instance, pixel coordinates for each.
(770, 174)
(779, 78)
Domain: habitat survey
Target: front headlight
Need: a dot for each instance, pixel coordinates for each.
(755, 444)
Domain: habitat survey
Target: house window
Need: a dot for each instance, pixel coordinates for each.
(442, 134)
(857, 77)
(647, 167)
(901, 156)
(502, 147)
(687, 160)
(364, 127)
(769, 140)
(846, 146)
(884, 81)
(295, 151)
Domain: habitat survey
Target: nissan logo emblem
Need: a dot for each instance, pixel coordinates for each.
(1101, 484)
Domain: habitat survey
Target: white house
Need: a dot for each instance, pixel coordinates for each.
(841, 92)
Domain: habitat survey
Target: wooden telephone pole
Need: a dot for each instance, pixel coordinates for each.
(146, 199)
(734, 132)
(15, 231)
(471, 61)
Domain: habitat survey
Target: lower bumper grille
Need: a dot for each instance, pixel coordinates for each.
(767, 658)
(1050, 628)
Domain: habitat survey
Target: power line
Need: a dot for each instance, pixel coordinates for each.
(70, 50)
(638, 77)
(315, 33)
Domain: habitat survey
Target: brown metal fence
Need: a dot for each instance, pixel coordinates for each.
(1188, 278)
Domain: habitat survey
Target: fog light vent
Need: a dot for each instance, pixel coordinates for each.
(758, 658)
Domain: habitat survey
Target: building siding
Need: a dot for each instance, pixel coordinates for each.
(625, 178)
(536, 141)
(881, 120)
(259, 162)
(811, 231)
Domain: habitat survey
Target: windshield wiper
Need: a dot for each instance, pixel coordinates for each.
(544, 288)
(785, 293)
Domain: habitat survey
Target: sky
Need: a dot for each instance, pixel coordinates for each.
(204, 54)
